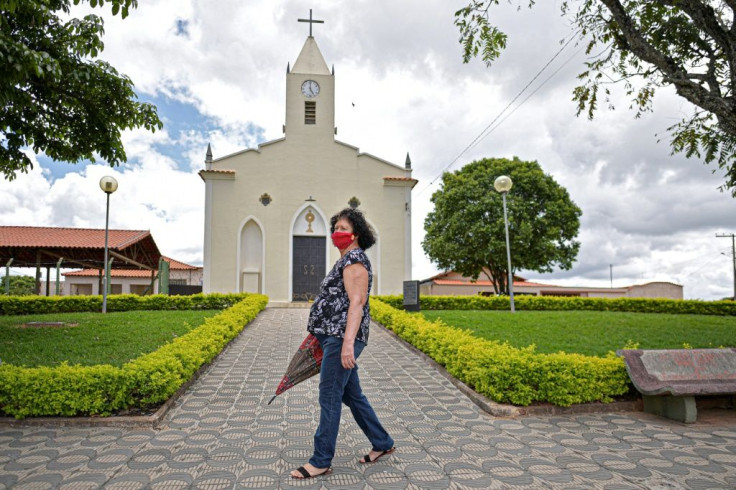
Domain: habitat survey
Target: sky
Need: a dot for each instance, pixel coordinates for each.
(217, 72)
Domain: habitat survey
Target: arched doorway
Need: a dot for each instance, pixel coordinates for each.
(309, 253)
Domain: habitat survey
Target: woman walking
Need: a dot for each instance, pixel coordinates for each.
(339, 318)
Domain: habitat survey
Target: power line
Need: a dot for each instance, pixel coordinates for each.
(530, 95)
(733, 255)
(486, 131)
(699, 268)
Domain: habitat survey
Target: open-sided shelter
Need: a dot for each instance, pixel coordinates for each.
(49, 247)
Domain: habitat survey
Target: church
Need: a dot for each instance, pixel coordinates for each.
(268, 209)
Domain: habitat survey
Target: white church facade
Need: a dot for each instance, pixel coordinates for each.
(267, 209)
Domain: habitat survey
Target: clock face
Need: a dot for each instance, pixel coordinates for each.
(310, 88)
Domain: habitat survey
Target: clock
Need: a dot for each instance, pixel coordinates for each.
(310, 88)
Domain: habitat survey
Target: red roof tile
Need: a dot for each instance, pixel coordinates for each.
(175, 264)
(113, 273)
(452, 282)
(32, 236)
(26, 245)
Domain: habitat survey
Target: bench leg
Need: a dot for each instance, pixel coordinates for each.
(680, 408)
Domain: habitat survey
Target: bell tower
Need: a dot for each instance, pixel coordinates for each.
(310, 93)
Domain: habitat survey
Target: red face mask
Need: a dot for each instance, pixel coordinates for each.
(342, 239)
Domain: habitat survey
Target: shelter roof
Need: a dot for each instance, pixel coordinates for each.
(29, 245)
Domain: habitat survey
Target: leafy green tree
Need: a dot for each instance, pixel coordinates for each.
(465, 231)
(19, 285)
(645, 44)
(55, 97)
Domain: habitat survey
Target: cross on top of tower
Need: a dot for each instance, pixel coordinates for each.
(311, 22)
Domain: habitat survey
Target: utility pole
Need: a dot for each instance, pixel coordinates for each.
(611, 269)
(732, 236)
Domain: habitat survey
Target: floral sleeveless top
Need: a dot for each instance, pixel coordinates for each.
(329, 313)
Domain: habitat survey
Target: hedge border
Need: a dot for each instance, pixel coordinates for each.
(506, 374)
(143, 382)
(27, 305)
(552, 303)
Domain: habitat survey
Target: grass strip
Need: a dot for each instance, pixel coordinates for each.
(143, 382)
(505, 373)
(593, 333)
(91, 338)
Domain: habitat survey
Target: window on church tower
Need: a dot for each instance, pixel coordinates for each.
(310, 112)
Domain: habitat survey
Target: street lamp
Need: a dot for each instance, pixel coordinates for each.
(108, 185)
(503, 185)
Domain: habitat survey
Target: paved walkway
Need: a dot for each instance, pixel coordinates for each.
(221, 434)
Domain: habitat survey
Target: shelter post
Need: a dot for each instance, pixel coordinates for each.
(153, 282)
(108, 287)
(37, 287)
(58, 266)
(163, 276)
(7, 277)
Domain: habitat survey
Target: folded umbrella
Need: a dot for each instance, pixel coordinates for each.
(306, 363)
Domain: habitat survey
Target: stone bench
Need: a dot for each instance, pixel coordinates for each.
(669, 380)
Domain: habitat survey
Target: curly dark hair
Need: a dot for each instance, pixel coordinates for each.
(366, 236)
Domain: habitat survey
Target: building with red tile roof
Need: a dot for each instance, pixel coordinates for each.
(451, 283)
(87, 281)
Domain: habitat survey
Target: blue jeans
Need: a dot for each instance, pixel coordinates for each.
(338, 385)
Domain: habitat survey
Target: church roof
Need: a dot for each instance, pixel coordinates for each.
(406, 179)
(310, 60)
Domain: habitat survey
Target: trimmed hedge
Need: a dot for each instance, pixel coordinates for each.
(148, 380)
(26, 305)
(504, 373)
(556, 303)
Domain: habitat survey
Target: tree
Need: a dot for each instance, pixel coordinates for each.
(19, 285)
(55, 97)
(465, 231)
(646, 44)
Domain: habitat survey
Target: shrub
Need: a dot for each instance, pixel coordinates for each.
(145, 381)
(530, 303)
(504, 373)
(24, 305)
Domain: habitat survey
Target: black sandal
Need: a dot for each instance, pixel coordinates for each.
(367, 458)
(306, 475)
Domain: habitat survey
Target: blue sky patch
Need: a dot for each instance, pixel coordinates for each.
(179, 118)
(182, 28)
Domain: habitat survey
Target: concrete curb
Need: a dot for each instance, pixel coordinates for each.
(504, 410)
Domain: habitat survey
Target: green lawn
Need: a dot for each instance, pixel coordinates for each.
(113, 338)
(593, 332)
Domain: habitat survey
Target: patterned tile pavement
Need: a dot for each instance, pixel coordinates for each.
(221, 434)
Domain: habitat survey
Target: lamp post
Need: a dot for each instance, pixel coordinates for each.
(108, 185)
(503, 185)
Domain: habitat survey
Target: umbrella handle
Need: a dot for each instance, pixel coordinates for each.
(272, 399)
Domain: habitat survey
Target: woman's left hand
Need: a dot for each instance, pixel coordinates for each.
(347, 355)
